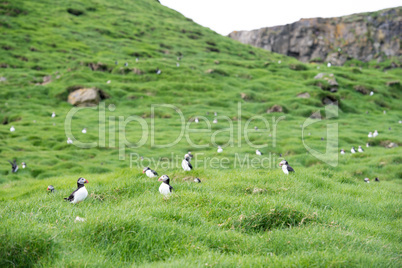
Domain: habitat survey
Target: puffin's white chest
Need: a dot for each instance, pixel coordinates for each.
(164, 188)
(285, 169)
(185, 166)
(80, 195)
(360, 150)
(150, 174)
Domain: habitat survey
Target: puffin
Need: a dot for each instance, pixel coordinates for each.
(215, 113)
(69, 141)
(196, 120)
(220, 150)
(80, 193)
(258, 152)
(14, 166)
(126, 64)
(50, 188)
(370, 135)
(158, 71)
(376, 179)
(53, 114)
(371, 93)
(189, 154)
(165, 187)
(353, 150)
(215, 121)
(256, 128)
(12, 128)
(367, 180)
(137, 59)
(342, 151)
(285, 167)
(23, 165)
(375, 134)
(84, 130)
(367, 145)
(360, 149)
(197, 180)
(186, 165)
(177, 64)
(149, 172)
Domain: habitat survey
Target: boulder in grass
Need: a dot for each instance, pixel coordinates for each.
(86, 97)
(330, 83)
(275, 109)
(305, 95)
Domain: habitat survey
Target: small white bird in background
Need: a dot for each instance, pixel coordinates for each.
(367, 145)
(353, 150)
(149, 172)
(257, 152)
(126, 64)
(215, 121)
(12, 128)
(108, 81)
(215, 113)
(137, 59)
(220, 150)
(53, 114)
(360, 149)
(384, 112)
(165, 187)
(370, 135)
(329, 64)
(255, 128)
(196, 120)
(367, 180)
(158, 71)
(80, 193)
(197, 180)
(23, 165)
(69, 141)
(371, 93)
(342, 151)
(375, 134)
(279, 61)
(185, 164)
(177, 64)
(285, 167)
(84, 130)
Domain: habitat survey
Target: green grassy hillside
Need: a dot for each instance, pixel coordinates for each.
(245, 212)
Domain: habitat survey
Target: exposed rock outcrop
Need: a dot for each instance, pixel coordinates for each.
(364, 36)
(86, 97)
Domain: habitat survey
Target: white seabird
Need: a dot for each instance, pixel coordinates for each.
(220, 150)
(80, 193)
(165, 187)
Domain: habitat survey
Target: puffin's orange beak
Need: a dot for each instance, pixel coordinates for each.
(48, 188)
(160, 179)
(86, 181)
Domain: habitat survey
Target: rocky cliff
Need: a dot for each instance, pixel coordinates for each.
(363, 36)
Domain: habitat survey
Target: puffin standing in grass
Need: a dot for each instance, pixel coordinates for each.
(84, 130)
(23, 165)
(149, 172)
(353, 150)
(342, 151)
(80, 193)
(197, 180)
(375, 134)
(258, 152)
(14, 166)
(185, 164)
(367, 180)
(360, 149)
(285, 167)
(12, 128)
(370, 135)
(220, 150)
(165, 187)
(50, 188)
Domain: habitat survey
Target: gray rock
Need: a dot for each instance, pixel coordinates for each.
(305, 95)
(84, 97)
(275, 109)
(364, 36)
